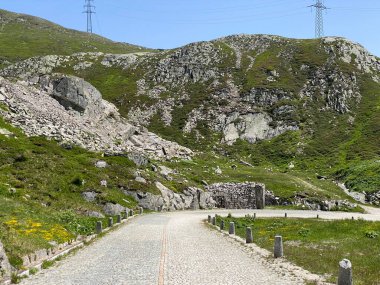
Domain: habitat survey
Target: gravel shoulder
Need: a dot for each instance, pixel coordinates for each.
(176, 248)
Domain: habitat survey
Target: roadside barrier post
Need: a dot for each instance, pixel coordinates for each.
(278, 247)
(345, 273)
(99, 227)
(110, 222)
(222, 225)
(248, 235)
(232, 228)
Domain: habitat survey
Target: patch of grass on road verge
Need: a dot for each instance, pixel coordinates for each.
(319, 245)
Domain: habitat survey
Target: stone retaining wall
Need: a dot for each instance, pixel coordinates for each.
(248, 195)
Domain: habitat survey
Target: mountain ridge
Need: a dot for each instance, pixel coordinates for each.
(25, 36)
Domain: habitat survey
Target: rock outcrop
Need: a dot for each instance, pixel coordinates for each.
(5, 267)
(70, 110)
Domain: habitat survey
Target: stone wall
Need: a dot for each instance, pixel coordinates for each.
(247, 195)
(192, 198)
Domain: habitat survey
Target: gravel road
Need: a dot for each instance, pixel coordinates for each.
(173, 248)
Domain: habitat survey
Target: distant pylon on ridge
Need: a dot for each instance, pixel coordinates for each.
(89, 10)
(319, 7)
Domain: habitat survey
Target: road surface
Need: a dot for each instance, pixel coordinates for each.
(173, 248)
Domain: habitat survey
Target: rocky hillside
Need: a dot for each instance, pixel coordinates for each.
(266, 99)
(23, 36)
(90, 128)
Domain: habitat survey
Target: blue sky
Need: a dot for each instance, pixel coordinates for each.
(169, 23)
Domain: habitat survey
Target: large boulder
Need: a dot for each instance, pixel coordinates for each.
(5, 267)
(75, 93)
(147, 200)
(111, 209)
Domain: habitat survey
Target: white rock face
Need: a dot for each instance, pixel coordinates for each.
(252, 127)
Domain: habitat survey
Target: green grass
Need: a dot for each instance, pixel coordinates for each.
(284, 184)
(319, 245)
(41, 185)
(36, 37)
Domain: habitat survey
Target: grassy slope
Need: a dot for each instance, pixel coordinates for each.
(307, 240)
(23, 36)
(40, 191)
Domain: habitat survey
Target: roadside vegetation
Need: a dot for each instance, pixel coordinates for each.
(318, 245)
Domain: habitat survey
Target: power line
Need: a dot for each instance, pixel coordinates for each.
(319, 7)
(89, 10)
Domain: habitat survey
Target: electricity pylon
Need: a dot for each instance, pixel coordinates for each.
(89, 10)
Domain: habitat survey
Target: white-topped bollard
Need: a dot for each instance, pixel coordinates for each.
(345, 272)
(118, 219)
(232, 228)
(209, 219)
(248, 235)
(222, 225)
(213, 220)
(141, 209)
(110, 222)
(278, 247)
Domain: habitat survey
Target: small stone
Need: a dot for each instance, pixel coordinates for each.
(103, 183)
(140, 180)
(89, 196)
(101, 164)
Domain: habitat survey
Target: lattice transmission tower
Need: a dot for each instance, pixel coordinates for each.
(319, 8)
(89, 9)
